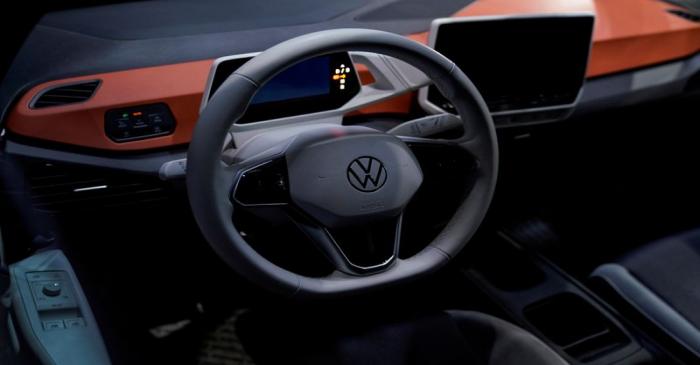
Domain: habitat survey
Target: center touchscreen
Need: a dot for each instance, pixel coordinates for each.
(517, 63)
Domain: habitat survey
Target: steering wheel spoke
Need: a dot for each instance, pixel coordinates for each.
(427, 126)
(358, 250)
(443, 159)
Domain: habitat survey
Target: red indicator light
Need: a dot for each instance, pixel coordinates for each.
(137, 114)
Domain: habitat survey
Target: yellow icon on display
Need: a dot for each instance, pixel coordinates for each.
(341, 73)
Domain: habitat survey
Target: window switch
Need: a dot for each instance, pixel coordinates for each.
(75, 322)
(53, 325)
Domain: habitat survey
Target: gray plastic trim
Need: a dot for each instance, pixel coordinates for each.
(656, 76)
(651, 305)
(212, 73)
(634, 87)
(146, 163)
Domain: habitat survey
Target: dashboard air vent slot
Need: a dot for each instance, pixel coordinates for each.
(685, 15)
(65, 94)
(57, 188)
(686, 9)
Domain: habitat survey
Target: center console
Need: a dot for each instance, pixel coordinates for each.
(547, 302)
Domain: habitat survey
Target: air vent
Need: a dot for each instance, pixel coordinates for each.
(65, 94)
(57, 188)
(685, 15)
(686, 9)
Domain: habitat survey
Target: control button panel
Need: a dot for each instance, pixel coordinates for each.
(266, 184)
(52, 313)
(139, 122)
(51, 290)
(63, 324)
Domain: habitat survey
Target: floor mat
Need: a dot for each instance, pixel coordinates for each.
(222, 346)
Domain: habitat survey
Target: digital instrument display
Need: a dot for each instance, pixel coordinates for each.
(520, 62)
(305, 79)
(314, 85)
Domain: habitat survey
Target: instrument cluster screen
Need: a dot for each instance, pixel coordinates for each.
(314, 85)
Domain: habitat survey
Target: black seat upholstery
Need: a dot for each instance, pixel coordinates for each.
(661, 281)
(455, 337)
(497, 342)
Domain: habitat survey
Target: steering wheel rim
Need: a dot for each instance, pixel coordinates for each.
(209, 181)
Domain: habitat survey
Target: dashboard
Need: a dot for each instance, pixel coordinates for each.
(597, 58)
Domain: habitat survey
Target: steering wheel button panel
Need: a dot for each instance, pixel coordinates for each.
(264, 184)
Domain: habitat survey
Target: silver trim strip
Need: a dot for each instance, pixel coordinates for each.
(90, 188)
(383, 264)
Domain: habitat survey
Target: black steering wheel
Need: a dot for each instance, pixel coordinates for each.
(338, 177)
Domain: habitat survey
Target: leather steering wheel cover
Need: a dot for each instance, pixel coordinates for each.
(212, 210)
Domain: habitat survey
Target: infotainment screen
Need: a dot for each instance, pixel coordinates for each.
(520, 62)
(317, 84)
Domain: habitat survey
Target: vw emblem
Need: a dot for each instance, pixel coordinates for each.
(366, 174)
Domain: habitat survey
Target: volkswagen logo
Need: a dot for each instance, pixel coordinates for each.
(366, 174)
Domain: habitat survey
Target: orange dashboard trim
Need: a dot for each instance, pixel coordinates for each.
(628, 34)
(364, 74)
(181, 86)
(631, 34)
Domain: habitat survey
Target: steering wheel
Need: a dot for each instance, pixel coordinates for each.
(339, 178)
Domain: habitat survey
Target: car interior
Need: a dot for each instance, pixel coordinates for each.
(234, 182)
